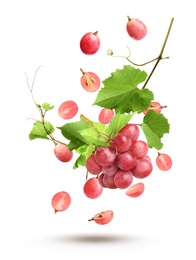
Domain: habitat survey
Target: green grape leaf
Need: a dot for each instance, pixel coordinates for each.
(154, 126)
(81, 161)
(121, 92)
(152, 139)
(85, 151)
(71, 132)
(118, 122)
(92, 135)
(38, 130)
(47, 106)
(157, 123)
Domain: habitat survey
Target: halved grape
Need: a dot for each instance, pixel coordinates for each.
(61, 201)
(68, 109)
(163, 161)
(135, 190)
(103, 217)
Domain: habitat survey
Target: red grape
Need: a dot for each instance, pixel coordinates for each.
(61, 201)
(136, 28)
(154, 106)
(108, 181)
(126, 161)
(139, 148)
(142, 169)
(68, 109)
(110, 170)
(90, 81)
(163, 161)
(106, 115)
(105, 156)
(90, 43)
(131, 130)
(100, 179)
(92, 166)
(103, 218)
(121, 142)
(123, 179)
(92, 188)
(62, 152)
(135, 190)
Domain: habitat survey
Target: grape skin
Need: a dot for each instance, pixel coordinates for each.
(90, 43)
(92, 166)
(121, 142)
(123, 179)
(136, 28)
(142, 169)
(105, 156)
(92, 188)
(131, 130)
(62, 153)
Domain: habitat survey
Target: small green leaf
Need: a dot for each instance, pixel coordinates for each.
(71, 132)
(152, 139)
(81, 161)
(118, 122)
(92, 135)
(47, 106)
(38, 130)
(157, 123)
(85, 151)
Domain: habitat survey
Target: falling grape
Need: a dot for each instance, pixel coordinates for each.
(92, 188)
(135, 190)
(106, 115)
(103, 217)
(62, 152)
(136, 28)
(90, 81)
(68, 109)
(90, 43)
(61, 201)
(163, 161)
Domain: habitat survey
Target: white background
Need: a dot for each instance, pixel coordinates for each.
(158, 225)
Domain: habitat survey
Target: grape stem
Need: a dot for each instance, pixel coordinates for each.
(42, 113)
(157, 59)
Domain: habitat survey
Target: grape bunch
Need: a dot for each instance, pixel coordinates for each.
(120, 159)
(117, 165)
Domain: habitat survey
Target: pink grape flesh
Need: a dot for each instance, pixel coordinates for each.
(103, 217)
(164, 162)
(135, 190)
(68, 109)
(61, 201)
